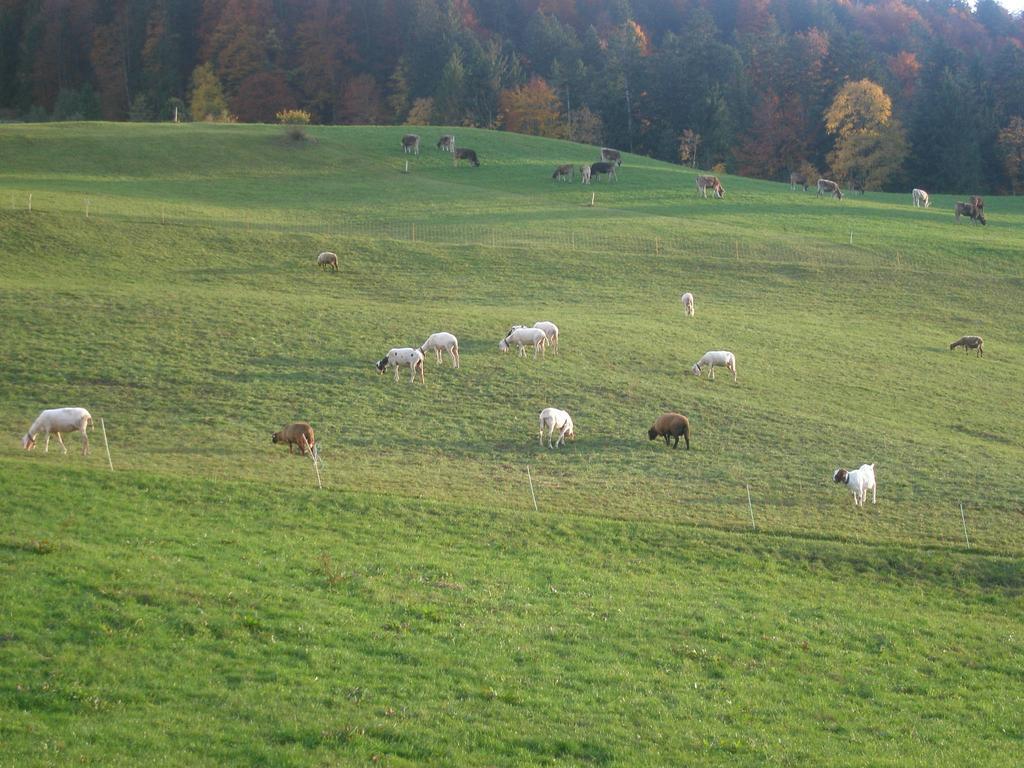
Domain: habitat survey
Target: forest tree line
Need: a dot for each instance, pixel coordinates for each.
(891, 93)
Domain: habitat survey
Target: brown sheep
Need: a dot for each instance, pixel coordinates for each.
(299, 433)
(671, 425)
(970, 342)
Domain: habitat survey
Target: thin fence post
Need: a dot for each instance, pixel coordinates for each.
(851, 237)
(30, 201)
(314, 456)
(750, 505)
(87, 202)
(106, 444)
(532, 494)
(963, 519)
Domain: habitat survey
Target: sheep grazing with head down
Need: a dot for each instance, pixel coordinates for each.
(297, 433)
(327, 259)
(687, 299)
(970, 342)
(711, 359)
(552, 420)
(670, 425)
(523, 338)
(402, 356)
(442, 342)
(55, 421)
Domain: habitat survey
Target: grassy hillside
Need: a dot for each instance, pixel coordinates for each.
(205, 604)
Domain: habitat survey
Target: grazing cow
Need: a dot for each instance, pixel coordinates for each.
(603, 169)
(704, 183)
(466, 154)
(611, 156)
(920, 198)
(826, 187)
(564, 172)
(857, 186)
(55, 421)
(584, 174)
(970, 342)
(411, 144)
(446, 143)
(797, 180)
(966, 209)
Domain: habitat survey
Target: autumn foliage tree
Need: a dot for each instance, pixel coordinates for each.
(870, 144)
(207, 102)
(1011, 144)
(532, 108)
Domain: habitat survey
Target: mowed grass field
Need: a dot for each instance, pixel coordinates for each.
(206, 604)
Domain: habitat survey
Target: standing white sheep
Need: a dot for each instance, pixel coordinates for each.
(57, 420)
(522, 338)
(442, 341)
(551, 331)
(552, 419)
(711, 359)
(687, 299)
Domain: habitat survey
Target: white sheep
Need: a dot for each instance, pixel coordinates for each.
(711, 359)
(442, 341)
(687, 299)
(552, 419)
(327, 259)
(400, 356)
(859, 481)
(57, 420)
(522, 338)
(551, 331)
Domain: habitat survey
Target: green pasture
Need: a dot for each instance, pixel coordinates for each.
(206, 604)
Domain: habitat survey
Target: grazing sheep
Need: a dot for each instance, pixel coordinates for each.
(970, 342)
(551, 331)
(297, 433)
(55, 421)
(826, 187)
(687, 299)
(859, 481)
(797, 180)
(966, 209)
(552, 419)
(524, 337)
(328, 259)
(565, 173)
(704, 183)
(411, 144)
(439, 342)
(400, 356)
(462, 153)
(711, 359)
(920, 198)
(584, 174)
(446, 143)
(671, 425)
(611, 156)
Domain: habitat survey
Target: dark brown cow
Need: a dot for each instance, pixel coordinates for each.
(411, 144)
(966, 209)
(603, 169)
(461, 153)
(797, 180)
(564, 172)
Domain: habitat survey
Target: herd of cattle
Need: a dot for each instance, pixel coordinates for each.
(611, 159)
(542, 335)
